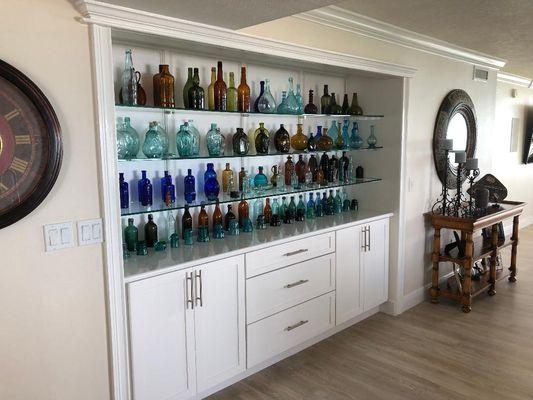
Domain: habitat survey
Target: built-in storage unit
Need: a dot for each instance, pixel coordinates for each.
(187, 321)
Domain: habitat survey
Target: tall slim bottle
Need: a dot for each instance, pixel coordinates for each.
(131, 235)
(203, 218)
(221, 90)
(186, 88)
(129, 81)
(325, 101)
(232, 101)
(189, 187)
(261, 91)
(244, 211)
(243, 93)
(150, 231)
(186, 221)
(217, 215)
(124, 192)
(196, 93)
(211, 90)
(228, 217)
(226, 174)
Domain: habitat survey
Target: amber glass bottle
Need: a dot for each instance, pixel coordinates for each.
(289, 169)
(243, 93)
(313, 166)
(226, 175)
(242, 176)
(282, 140)
(300, 169)
(186, 221)
(203, 218)
(150, 232)
(211, 90)
(228, 217)
(221, 90)
(217, 215)
(325, 142)
(324, 166)
(325, 101)
(164, 87)
(232, 94)
(299, 141)
(244, 211)
(267, 211)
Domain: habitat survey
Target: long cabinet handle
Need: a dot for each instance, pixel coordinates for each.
(369, 237)
(296, 325)
(293, 253)
(189, 288)
(294, 284)
(363, 240)
(200, 296)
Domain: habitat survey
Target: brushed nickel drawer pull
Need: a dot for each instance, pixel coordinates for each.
(188, 280)
(293, 253)
(300, 282)
(199, 294)
(296, 325)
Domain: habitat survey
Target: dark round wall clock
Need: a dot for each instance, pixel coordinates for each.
(30, 145)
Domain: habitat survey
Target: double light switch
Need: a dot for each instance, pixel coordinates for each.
(60, 236)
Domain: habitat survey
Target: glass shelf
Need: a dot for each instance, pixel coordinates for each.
(137, 209)
(272, 154)
(246, 114)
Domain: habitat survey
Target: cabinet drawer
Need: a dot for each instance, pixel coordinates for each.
(278, 290)
(273, 335)
(271, 258)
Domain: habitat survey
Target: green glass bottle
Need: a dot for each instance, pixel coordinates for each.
(300, 209)
(131, 235)
(330, 209)
(150, 232)
(232, 95)
(292, 208)
(186, 88)
(196, 93)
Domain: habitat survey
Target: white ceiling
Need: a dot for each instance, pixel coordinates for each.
(233, 14)
(501, 28)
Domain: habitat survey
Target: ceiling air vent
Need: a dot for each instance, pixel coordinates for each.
(480, 74)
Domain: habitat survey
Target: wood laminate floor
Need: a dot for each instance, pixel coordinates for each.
(429, 352)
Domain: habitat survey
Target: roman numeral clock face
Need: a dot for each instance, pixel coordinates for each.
(30, 145)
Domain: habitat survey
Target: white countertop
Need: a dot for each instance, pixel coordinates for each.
(155, 263)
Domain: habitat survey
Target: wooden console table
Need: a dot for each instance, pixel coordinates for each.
(476, 249)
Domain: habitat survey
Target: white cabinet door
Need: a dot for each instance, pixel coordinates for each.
(348, 273)
(219, 321)
(375, 261)
(162, 337)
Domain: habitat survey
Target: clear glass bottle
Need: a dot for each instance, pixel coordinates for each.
(299, 141)
(226, 174)
(300, 209)
(262, 139)
(241, 144)
(195, 136)
(215, 141)
(282, 140)
(243, 93)
(211, 90)
(164, 138)
(261, 92)
(232, 96)
(221, 90)
(150, 232)
(171, 225)
(153, 146)
(211, 185)
(260, 179)
(131, 235)
(351, 170)
(133, 141)
(355, 108)
(372, 140)
(189, 187)
(257, 209)
(310, 209)
(291, 103)
(196, 93)
(310, 107)
(129, 81)
(356, 141)
(325, 101)
(122, 145)
(186, 88)
(299, 99)
(184, 142)
(266, 103)
(124, 191)
(334, 108)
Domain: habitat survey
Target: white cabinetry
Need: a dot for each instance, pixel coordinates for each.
(187, 330)
(361, 268)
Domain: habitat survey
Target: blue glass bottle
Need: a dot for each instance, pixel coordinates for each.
(153, 146)
(310, 210)
(124, 191)
(164, 182)
(260, 180)
(189, 185)
(168, 189)
(356, 141)
(345, 134)
(140, 184)
(184, 142)
(211, 185)
(338, 202)
(145, 191)
(333, 131)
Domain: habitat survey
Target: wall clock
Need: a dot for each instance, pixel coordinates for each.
(30, 145)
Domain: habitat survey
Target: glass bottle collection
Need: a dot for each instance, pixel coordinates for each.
(227, 97)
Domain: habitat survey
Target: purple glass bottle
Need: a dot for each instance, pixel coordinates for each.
(189, 184)
(124, 191)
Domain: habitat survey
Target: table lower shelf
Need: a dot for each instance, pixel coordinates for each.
(482, 248)
(451, 289)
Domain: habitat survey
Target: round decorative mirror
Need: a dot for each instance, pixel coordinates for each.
(457, 121)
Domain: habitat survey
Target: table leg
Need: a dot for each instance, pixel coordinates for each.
(514, 246)
(493, 259)
(466, 299)
(434, 290)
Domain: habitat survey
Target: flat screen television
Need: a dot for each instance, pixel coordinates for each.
(528, 136)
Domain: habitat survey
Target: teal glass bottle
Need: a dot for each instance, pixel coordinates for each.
(122, 145)
(184, 142)
(260, 179)
(163, 136)
(300, 209)
(153, 146)
(292, 209)
(319, 210)
(333, 131)
(345, 133)
(195, 136)
(310, 210)
(215, 141)
(131, 235)
(282, 107)
(338, 202)
(283, 208)
(356, 141)
(372, 140)
(133, 141)
(331, 203)
(299, 99)
(291, 103)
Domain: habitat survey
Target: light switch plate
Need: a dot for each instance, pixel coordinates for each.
(90, 231)
(58, 236)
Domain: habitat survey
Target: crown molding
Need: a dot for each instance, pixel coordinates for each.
(104, 14)
(340, 18)
(515, 80)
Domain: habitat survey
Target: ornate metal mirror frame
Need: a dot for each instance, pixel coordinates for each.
(456, 102)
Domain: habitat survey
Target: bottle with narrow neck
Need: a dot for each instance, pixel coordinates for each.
(129, 81)
(211, 90)
(124, 192)
(355, 108)
(232, 100)
(310, 209)
(244, 211)
(243, 93)
(186, 221)
(217, 215)
(267, 211)
(203, 218)
(261, 91)
(171, 225)
(196, 93)
(150, 232)
(334, 108)
(310, 107)
(266, 103)
(300, 209)
(226, 174)
(228, 217)
(189, 187)
(345, 104)
(325, 101)
(186, 87)
(221, 90)
(131, 235)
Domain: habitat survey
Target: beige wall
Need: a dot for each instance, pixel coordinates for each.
(436, 76)
(507, 166)
(52, 310)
